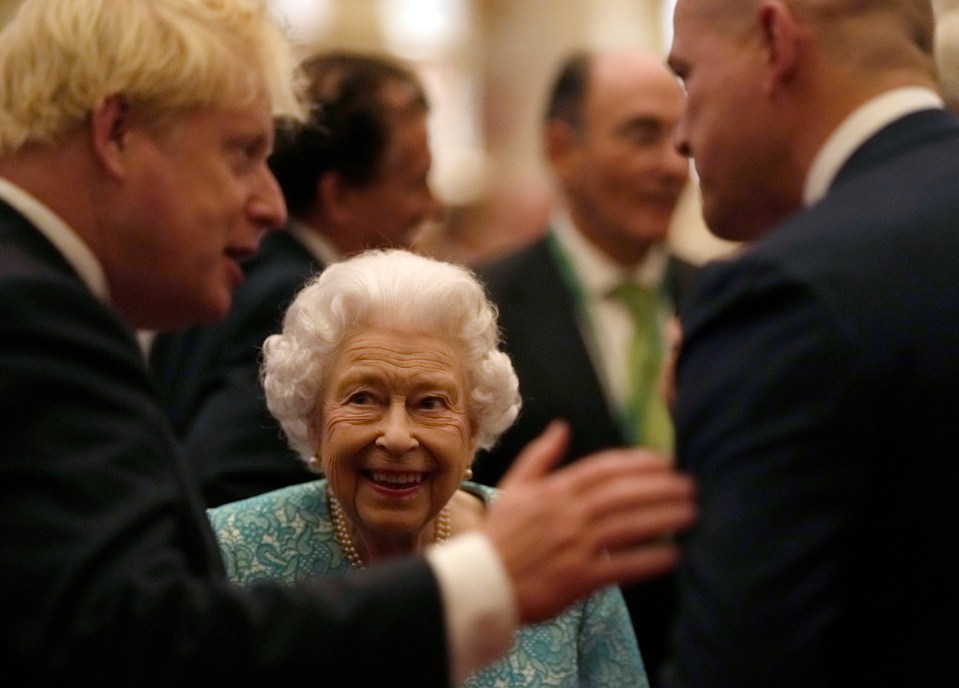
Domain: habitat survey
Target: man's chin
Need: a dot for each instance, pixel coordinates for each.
(191, 314)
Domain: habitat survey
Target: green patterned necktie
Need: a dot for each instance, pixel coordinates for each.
(647, 420)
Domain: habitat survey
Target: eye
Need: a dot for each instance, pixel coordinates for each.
(643, 132)
(432, 403)
(361, 399)
(246, 154)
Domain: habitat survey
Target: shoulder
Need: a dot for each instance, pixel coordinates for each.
(42, 297)
(515, 267)
(284, 536)
(484, 492)
(469, 505)
(272, 508)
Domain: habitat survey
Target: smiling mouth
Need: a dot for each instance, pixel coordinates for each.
(395, 480)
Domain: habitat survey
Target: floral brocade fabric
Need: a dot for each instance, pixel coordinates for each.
(287, 536)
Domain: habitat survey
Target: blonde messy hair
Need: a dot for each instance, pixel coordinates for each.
(59, 59)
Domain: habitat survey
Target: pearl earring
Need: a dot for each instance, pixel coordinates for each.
(468, 474)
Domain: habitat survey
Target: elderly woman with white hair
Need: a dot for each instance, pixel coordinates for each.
(386, 379)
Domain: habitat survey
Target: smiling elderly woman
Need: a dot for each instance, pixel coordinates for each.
(387, 378)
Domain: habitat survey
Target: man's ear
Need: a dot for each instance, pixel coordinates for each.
(335, 197)
(560, 142)
(109, 128)
(780, 34)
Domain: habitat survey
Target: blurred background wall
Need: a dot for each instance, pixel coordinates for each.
(487, 65)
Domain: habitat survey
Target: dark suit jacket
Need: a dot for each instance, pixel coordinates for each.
(819, 409)
(537, 313)
(209, 380)
(110, 573)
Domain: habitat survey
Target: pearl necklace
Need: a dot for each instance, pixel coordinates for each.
(341, 530)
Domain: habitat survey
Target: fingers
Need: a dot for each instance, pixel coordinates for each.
(635, 492)
(607, 518)
(638, 564)
(539, 456)
(642, 526)
(610, 466)
(631, 509)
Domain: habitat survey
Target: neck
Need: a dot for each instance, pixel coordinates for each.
(626, 253)
(45, 171)
(360, 551)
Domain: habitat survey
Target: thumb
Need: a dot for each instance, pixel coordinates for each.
(540, 455)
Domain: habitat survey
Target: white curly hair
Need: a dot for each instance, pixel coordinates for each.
(388, 288)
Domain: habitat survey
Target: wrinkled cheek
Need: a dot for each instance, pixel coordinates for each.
(341, 443)
(338, 471)
(329, 444)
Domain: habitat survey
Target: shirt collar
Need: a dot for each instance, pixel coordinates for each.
(865, 121)
(597, 274)
(321, 248)
(58, 233)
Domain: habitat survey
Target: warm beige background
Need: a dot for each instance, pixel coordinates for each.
(6, 9)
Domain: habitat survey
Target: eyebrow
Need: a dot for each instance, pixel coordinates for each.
(646, 122)
(368, 375)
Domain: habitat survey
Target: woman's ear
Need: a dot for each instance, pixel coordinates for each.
(561, 142)
(110, 123)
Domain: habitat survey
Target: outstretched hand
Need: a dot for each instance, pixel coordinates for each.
(604, 519)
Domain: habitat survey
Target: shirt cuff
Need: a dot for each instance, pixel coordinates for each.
(478, 602)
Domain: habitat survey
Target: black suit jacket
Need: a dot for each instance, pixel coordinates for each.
(538, 317)
(109, 570)
(209, 380)
(818, 406)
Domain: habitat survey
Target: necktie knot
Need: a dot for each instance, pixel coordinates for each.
(640, 301)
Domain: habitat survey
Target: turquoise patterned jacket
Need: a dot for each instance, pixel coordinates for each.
(287, 535)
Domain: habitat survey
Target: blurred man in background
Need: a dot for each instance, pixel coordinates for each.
(585, 309)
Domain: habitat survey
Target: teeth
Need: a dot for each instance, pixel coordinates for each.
(398, 478)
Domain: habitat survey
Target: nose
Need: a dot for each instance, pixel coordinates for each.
(680, 140)
(675, 164)
(396, 432)
(267, 207)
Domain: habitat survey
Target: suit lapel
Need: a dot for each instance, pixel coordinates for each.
(549, 325)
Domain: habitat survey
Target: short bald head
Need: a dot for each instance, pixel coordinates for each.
(609, 139)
